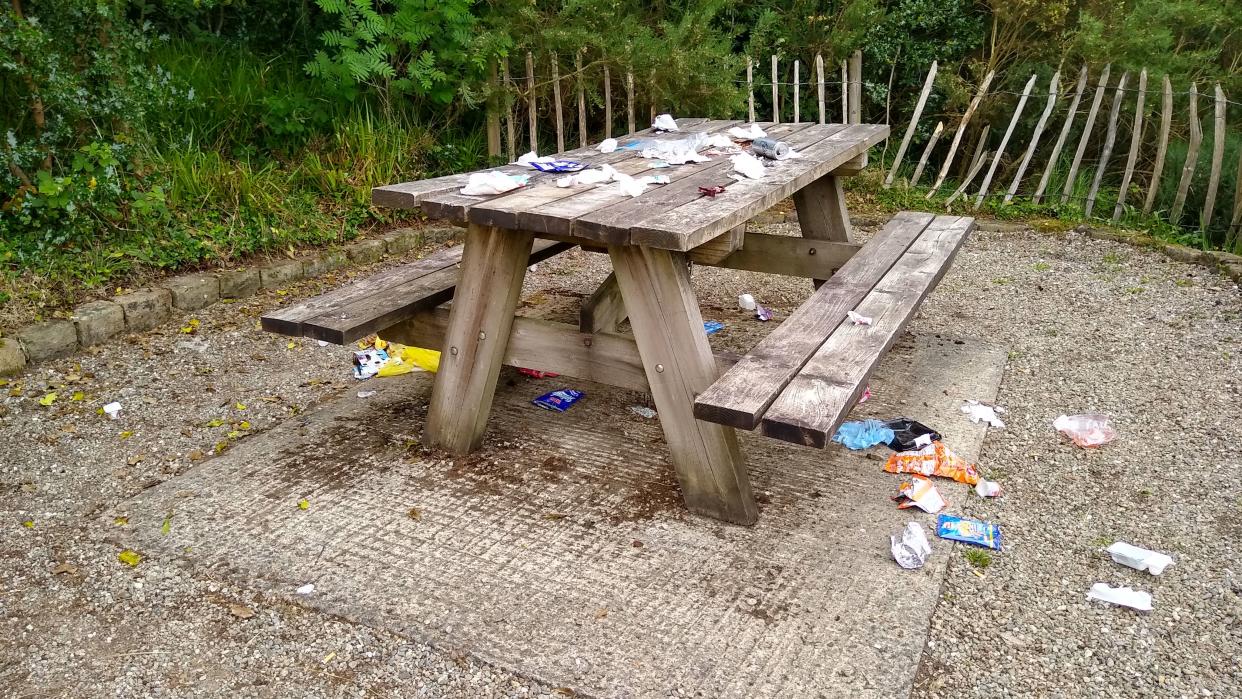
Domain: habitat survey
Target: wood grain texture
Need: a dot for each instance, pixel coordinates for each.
(493, 266)
(914, 122)
(856, 87)
(822, 214)
(1039, 130)
(510, 129)
(1218, 158)
(1192, 156)
(376, 303)
(975, 166)
(1061, 139)
(582, 123)
(1110, 138)
(679, 364)
(797, 114)
(717, 249)
(785, 255)
(740, 397)
(750, 89)
(927, 149)
(776, 93)
(961, 131)
(1085, 138)
(845, 93)
(819, 82)
(607, 103)
(814, 403)
(703, 218)
(1136, 139)
(556, 100)
(1000, 150)
(603, 310)
(531, 107)
(542, 345)
(629, 102)
(1235, 221)
(1162, 149)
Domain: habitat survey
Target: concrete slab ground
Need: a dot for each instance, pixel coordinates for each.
(561, 551)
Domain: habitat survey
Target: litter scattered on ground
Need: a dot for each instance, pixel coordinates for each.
(492, 182)
(969, 531)
(196, 344)
(112, 410)
(658, 164)
(558, 401)
(1122, 596)
(909, 434)
(322, 343)
(748, 134)
(763, 313)
(919, 492)
(1089, 430)
(607, 145)
(642, 411)
(747, 165)
(1139, 558)
(770, 148)
(664, 122)
(712, 326)
(603, 174)
(306, 589)
(536, 374)
(391, 359)
(912, 549)
(866, 396)
(365, 394)
(934, 459)
(988, 489)
(982, 412)
(746, 302)
(863, 434)
(367, 362)
(629, 186)
(858, 319)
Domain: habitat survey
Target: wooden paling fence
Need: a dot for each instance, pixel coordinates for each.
(1012, 159)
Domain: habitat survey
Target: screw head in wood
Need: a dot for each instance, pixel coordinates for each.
(453, 351)
(482, 335)
(811, 251)
(659, 368)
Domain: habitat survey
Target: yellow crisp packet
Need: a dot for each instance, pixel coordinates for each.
(404, 360)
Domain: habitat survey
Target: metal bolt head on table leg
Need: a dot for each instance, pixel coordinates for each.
(453, 351)
(659, 368)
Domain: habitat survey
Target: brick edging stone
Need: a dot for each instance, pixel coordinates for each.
(96, 322)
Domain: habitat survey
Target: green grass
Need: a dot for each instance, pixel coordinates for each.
(977, 558)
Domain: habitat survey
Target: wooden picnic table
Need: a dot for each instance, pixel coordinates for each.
(651, 239)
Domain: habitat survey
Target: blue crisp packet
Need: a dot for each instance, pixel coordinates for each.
(558, 401)
(712, 326)
(969, 531)
(558, 166)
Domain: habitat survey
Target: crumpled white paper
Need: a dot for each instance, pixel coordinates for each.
(607, 145)
(912, 550)
(1123, 596)
(747, 165)
(112, 410)
(858, 318)
(1139, 558)
(986, 489)
(717, 140)
(531, 157)
(982, 412)
(492, 182)
(603, 174)
(306, 589)
(629, 186)
(664, 122)
(747, 134)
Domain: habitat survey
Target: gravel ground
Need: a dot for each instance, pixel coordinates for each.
(1092, 325)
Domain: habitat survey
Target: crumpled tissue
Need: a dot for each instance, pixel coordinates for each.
(982, 412)
(1123, 596)
(747, 165)
(607, 145)
(664, 122)
(858, 318)
(747, 134)
(492, 182)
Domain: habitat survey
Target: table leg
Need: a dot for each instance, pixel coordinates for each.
(668, 328)
(493, 265)
(822, 214)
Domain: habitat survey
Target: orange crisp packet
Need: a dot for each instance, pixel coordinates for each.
(934, 459)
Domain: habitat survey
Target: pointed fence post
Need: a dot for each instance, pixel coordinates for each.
(1039, 130)
(1136, 138)
(1162, 151)
(856, 87)
(1110, 138)
(927, 149)
(1000, 150)
(975, 166)
(510, 129)
(914, 121)
(556, 99)
(845, 94)
(750, 88)
(530, 101)
(582, 126)
(629, 100)
(776, 95)
(1218, 156)
(1192, 157)
(961, 129)
(819, 81)
(1086, 135)
(1060, 143)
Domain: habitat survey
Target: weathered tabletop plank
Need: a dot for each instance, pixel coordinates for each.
(815, 402)
(740, 397)
(704, 218)
(613, 223)
(451, 205)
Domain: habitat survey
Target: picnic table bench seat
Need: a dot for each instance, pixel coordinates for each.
(381, 301)
(799, 382)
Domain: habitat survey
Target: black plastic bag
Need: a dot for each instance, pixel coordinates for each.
(906, 432)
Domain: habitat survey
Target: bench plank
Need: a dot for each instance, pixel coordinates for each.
(375, 303)
(813, 405)
(740, 397)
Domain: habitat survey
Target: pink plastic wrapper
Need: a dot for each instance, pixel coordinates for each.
(1090, 430)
